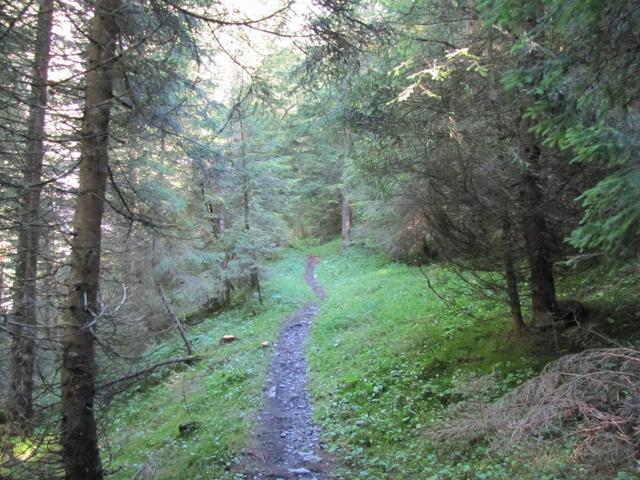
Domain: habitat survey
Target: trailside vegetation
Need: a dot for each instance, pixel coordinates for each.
(467, 172)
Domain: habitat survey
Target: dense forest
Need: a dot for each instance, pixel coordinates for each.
(330, 239)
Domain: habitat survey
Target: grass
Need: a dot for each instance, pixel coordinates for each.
(221, 393)
(387, 359)
(385, 356)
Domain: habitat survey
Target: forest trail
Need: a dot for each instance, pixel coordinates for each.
(286, 443)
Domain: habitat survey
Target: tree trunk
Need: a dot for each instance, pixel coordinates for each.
(48, 313)
(535, 229)
(23, 341)
(346, 219)
(166, 305)
(513, 296)
(228, 286)
(346, 208)
(80, 454)
(2, 289)
(254, 276)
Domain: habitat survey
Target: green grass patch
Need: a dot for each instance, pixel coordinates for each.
(387, 359)
(221, 393)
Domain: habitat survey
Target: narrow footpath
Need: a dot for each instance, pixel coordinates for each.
(286, 444)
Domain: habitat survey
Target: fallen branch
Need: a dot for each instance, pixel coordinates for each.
(191, 358)
(174, 317)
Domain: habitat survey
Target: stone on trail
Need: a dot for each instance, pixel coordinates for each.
(272, 392)
(309, 457)
(287, 438)
(300, 471)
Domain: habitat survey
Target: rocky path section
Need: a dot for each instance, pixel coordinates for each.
(287, 440)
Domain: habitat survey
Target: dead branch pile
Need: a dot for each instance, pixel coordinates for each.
(589, 400)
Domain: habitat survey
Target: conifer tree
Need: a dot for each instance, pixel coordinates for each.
(24, 319)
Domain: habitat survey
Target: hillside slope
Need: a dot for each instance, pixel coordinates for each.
(387, 360)
(216, 398)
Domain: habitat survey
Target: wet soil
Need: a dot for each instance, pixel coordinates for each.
(286, 443)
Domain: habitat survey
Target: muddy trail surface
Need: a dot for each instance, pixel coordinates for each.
(286, 443)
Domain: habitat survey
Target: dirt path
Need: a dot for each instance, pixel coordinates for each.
(287, 440)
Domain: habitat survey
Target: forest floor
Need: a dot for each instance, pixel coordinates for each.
(386, 360)
(286, 443)
(221, 395)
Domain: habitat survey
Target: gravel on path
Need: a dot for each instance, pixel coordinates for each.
(287, 441)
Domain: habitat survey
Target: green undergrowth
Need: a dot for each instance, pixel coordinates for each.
(387, 359)
(217, 397)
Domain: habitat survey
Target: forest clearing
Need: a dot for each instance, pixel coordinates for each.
(319, 239)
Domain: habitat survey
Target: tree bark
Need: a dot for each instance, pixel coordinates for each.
(346, 219)
(513, 296)
(81, 456)
(24, 321)
(535, 230)
(254, 276)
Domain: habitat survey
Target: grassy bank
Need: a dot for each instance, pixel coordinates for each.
(219, 395)
(387, 359)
